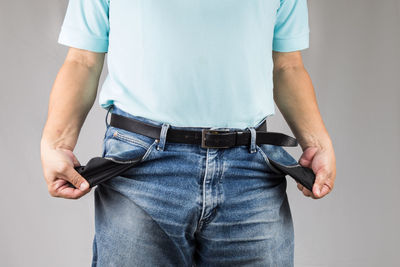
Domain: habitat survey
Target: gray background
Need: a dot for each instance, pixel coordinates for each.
(354, 63)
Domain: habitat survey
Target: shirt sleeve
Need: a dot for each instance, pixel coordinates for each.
(291, 32)
(86, 25)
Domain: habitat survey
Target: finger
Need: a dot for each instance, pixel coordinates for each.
(306, 192)
(307, 157)
(76, 179)
(320, 180)
(310, 194)
(71, 193)
(61, 188)
(305, 162)
(313, 196)
(300, 186)
(325, 190)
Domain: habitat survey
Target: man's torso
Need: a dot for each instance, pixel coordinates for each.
(191, 63)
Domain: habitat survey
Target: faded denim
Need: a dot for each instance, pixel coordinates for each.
(184, 205)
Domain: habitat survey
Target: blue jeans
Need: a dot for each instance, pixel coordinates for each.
(185, 205)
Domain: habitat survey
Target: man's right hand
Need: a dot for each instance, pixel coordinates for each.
(71, 98)
(58, 168)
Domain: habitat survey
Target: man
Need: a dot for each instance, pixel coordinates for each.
(188, 64)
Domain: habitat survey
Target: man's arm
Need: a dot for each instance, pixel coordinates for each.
(72, 96)
(295, 97)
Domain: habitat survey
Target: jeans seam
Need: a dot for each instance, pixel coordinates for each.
(130, 140)
(275, 170)
(149, 150)
(203, 186)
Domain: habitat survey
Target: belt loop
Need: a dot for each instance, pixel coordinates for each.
(253, 139)
(163, 136)
(109, 108)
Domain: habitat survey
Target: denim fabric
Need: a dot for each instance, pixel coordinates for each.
(185, 205)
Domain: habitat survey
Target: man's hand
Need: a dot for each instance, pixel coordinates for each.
(295, 97)
(58, 168)
(71, 98)
(323, 163)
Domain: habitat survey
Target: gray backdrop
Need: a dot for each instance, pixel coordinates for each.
(354, 63)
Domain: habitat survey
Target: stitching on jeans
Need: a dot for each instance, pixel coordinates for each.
(131, 140)
(120, 161)
(200, 222)
(143, 158)
(149, 150)
(267, 161)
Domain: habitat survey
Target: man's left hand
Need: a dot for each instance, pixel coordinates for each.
(323, 163)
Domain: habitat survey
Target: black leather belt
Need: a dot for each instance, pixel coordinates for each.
(207, 138)
(100, 169)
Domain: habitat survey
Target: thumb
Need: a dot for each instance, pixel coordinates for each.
(319, 183)
(76, 179)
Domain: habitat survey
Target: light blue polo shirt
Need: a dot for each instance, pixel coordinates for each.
(194, 63)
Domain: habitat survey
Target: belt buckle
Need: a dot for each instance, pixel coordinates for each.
(216, 131)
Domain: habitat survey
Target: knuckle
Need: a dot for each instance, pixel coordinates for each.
(75, 179)
(51, 190)
(53, 193)
(62, 167)
(331, 186)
